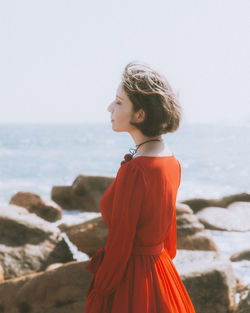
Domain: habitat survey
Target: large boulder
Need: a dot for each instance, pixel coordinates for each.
(209, 280)
(46, 209)
(241, 255)
(84, 194)
(191, 233)
(60, 290)
(198, 241)
(182, 208)
(28, 243)
(198, 203)
(188, 224)
(89, 236)
(235, 217)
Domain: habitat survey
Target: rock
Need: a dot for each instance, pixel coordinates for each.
(95, 185)
(62, 290)
(191, 233)
(244, 304)
(1, 274)
(239, 256)
(210, 283)
(46, 209)
(84, 194)
(89, 236)
(53, 266)
(239, 204)
(198, 204)
(63, 195)
(76, 220)
(233, 218)
(242, 197)
(198, 241)
(188, 224)
(28, 243)
(182, 208)
(240, 286)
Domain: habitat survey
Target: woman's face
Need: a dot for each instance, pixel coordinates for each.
(121, 110)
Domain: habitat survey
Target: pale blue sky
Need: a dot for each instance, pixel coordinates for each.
(61, 61)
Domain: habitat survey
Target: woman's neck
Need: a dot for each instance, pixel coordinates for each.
(154, 148)
(138, 137)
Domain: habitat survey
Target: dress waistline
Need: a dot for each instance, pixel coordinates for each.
(97, 258)
(148, 250)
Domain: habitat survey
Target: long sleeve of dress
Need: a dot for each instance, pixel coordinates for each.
(179, 173)
(127, 203)
(170, 244)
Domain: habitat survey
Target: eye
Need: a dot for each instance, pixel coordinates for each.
(119, 103)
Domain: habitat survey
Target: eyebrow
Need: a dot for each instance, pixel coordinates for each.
(119, 97)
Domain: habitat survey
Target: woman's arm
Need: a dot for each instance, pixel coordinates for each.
(127, 203)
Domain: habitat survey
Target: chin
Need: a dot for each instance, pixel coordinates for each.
(117, 130)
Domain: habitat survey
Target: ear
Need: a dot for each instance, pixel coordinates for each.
(140, 115)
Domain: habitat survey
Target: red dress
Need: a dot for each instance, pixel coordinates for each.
(134, 272)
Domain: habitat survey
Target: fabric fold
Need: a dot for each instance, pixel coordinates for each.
(95, 261)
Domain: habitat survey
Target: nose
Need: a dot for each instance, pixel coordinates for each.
(109, 108)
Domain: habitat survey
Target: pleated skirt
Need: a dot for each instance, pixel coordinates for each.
(151, 284)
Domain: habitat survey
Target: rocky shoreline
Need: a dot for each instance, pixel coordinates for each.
(39, 274)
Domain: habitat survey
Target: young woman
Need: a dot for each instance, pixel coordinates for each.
(134, 272)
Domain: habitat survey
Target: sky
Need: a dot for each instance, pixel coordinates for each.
(62, 61)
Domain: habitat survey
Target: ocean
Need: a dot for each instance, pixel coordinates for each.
(214, 158)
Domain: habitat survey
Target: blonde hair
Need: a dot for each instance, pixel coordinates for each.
(150, 90)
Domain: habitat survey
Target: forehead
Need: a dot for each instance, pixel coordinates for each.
(120, 91)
